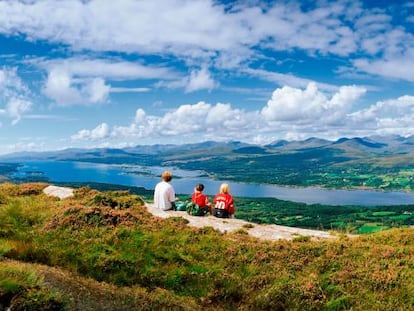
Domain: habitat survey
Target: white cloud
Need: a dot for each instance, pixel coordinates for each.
(397, 68)
(285, 79)
(207, 32)
(200, 28)
(200, 120)
(393, 116)
(59, 87)
(306, 106)
(15, 94)
(200, 80)
(111, 69)
(16, 107)
(11, 85)
(129, 89)
(290, 114)
(197, 80)
(80, 81)
(67, 91)
(97, 90)
(99, 132)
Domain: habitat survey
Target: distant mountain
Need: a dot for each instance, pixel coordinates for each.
(355, 147)
(251, 150)
(312, 142)
(357, 141)
(277, 144)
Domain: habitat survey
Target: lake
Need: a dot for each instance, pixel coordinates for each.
(147, 177)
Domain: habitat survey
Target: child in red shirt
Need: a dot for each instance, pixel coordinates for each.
(199, 198)
(224, 203)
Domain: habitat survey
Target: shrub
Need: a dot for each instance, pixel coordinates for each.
(117, 200)
(26, 189)
(34, 300)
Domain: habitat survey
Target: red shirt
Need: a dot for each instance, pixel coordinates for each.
(200, 199)
(224, 201)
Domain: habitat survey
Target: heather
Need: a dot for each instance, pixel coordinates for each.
(106, 246)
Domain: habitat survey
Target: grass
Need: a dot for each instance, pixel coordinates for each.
(151, 263)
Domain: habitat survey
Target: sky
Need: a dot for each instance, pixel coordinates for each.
(100, 73)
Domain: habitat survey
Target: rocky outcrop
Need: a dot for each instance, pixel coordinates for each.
(265, 232)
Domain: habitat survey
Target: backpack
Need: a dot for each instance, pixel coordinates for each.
(195, 210)
(180, 206)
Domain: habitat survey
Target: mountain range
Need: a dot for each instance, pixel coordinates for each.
(356, 147)
(377, 162)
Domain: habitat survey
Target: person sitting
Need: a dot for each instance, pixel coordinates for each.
(224, 203)
(164, 193)
(199, 198)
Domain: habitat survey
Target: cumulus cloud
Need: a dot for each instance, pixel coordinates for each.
(306, 106)
(291, 113)
(59, 87)
(67, 91)
(200, 120)
(394, 116)
(200, 80)
(96, 90)
(99, 132)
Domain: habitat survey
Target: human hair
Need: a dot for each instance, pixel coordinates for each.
(199, 187)
(224, 188)
(166, 176)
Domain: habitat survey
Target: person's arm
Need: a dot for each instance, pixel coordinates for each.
(172, 197)
(231, 206)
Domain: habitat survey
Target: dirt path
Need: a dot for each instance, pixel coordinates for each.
(265, 232)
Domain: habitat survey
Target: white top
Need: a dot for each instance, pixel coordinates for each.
(164, 194)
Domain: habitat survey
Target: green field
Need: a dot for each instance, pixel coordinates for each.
(351, 219)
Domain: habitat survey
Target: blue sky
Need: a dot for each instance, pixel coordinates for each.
(121, 73)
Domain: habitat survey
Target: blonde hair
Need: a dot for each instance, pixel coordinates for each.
(224, 188)
(166, 176)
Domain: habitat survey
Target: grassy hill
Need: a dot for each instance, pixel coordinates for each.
(104, 251)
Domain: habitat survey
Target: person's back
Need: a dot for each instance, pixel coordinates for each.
(223, 203)
(199, 198)
(164, 194)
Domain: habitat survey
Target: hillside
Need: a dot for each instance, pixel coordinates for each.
(105, 251)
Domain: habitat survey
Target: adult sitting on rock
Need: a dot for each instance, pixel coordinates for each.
(164, 193)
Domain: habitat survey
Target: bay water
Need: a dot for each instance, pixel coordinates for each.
(148, 177)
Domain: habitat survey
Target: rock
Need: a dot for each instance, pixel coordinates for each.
(264, 232)
(60, 192)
